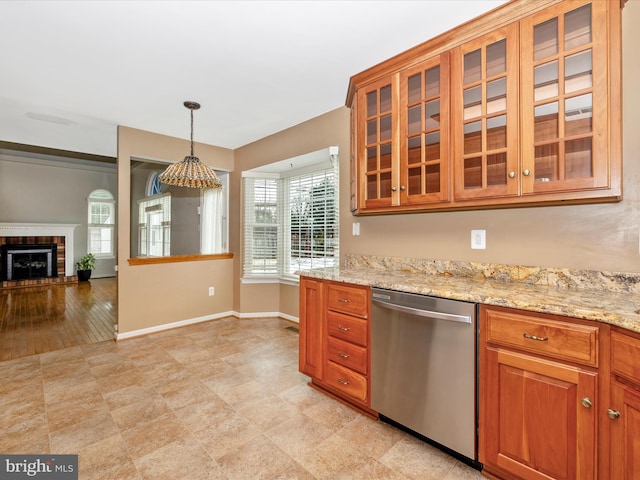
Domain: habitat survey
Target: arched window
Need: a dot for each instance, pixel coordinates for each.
(101, 223)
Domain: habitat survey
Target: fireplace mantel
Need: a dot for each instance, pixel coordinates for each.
(42, 230)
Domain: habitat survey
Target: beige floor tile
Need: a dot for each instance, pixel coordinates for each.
(227, 435)
(256, 459)
(107, 459)
(331, 413)
(418, 460)
(148, 437)
(145, 410)
(82, 433)
(334, 458)
(380, 437)
(463, 472)
(299, 435)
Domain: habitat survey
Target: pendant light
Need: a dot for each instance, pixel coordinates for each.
(190, 172)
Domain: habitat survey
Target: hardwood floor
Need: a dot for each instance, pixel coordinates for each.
(42, 319)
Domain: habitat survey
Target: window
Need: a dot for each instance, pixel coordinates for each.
(101, 224)
(290, 220)
(154, 226)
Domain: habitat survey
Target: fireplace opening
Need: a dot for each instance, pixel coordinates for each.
(28, 262)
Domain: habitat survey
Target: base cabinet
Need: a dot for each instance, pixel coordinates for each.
(334, 339)
(538, 413)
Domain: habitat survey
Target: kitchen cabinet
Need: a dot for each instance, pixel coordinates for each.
(623, 410)
(539, 395)
(521, 106)
(334, 340)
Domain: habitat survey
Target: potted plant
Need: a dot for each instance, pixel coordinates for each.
(84, 267)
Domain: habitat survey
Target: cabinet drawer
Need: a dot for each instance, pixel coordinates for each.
(348, 355)
(351, 300)
(347, 328)
(346, 381)
(555, 338)
(625, 352)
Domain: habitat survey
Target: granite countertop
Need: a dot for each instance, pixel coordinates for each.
(602, 296)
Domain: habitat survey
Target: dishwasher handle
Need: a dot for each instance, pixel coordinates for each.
(424, 313)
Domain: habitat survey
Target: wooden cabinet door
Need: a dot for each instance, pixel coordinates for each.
(565, 97)
(624, 414)
(535, 419)
(484, 100)
(424, 132)
(310, 355)
(377, 143)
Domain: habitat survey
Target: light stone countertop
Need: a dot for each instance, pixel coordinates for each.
(618, 307)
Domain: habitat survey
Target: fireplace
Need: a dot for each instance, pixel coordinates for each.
(29, 261)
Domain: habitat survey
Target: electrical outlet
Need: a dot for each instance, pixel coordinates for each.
(355, 229)
(478, 239)
(212, 291)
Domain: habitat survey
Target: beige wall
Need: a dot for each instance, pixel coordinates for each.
(152, 295)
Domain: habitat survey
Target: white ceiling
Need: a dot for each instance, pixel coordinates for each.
(71, 71)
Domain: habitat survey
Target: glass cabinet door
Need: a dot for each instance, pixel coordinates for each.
(424, 144)
(563, 102)
(377, 141)
(485, 116)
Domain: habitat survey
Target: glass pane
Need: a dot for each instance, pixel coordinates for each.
(546, 81)
(414, 119)
(415, 181)
(497, 96)
(372, 104)
(432, 183)
(473, 172)
(432, 150)
(414, 145)
(385, 185)
(472, 64)
(385, 156)
(473, 137)
(577, 27)
(372, 131)
(497, 132)
(432, 82)
(578, 115)
(497, 169)
(472, 102)
(385, 128)
(432, 115)
(497, 58)
(414, 84)
(372, 159)
(546, 122)
(577, 71)
(578, 158)
(385, 99)
(546, 163)
(545, 39)
(372, 186)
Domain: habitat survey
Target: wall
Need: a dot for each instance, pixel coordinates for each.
(153, 295)
(595, 237)
(35, 190)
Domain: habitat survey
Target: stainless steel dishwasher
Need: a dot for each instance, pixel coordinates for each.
(423, 367)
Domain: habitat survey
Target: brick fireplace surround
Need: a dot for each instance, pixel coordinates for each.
(40, 234)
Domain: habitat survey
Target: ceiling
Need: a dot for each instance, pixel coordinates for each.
(74, 70)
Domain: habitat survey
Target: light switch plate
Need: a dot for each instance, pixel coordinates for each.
(355, 229)
(478, 239)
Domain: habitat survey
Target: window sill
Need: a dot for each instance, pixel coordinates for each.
(178, 258)
(293, 281)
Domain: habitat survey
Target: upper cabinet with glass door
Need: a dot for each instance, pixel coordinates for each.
(521, 106)
(565, 98)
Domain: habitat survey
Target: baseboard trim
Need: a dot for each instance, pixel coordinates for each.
(206, 318)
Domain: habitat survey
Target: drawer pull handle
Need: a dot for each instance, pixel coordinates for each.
(343, 355)
(586, 402)
(343, 300)
(343, 328)
(613, 414)
(343, 382)
(533, 337)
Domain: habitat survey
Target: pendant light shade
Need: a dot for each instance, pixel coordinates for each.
(190, 172)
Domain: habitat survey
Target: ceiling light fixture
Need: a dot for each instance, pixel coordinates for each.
(190, 172)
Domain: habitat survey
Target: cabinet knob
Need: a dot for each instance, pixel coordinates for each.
(343, 382)
(534, 337)
(526, 172)
(613, 414)
(343, 300)
(586, 402)
(402, 187)
(343, 355)
(393, 189)
(512, 174)
(343, 328)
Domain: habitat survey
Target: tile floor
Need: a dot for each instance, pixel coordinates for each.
(218, 400)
